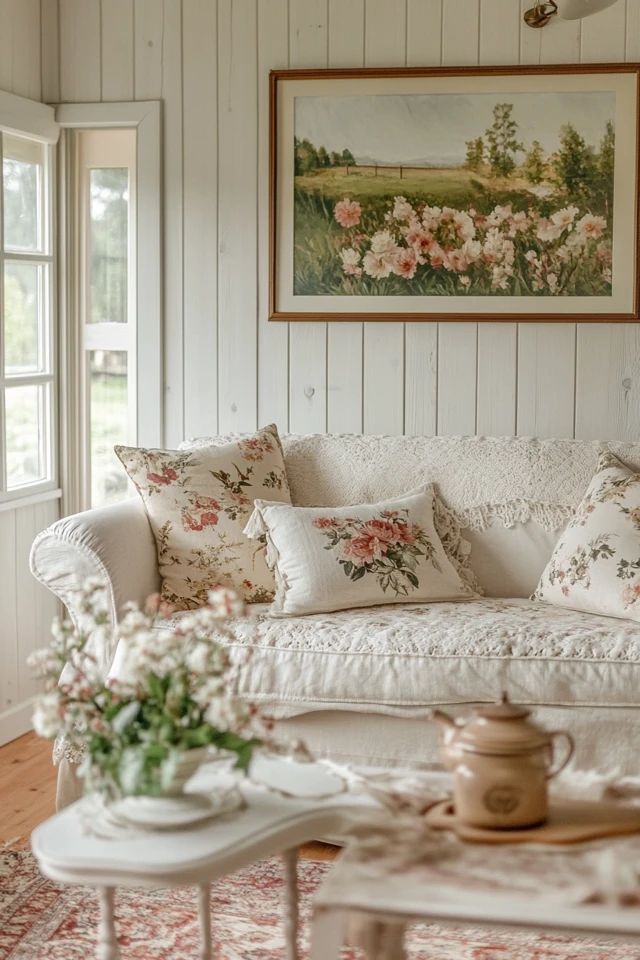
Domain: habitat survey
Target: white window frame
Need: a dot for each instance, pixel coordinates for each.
(145, 117)
(21, 117)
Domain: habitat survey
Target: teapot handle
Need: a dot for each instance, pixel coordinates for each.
(570, 748)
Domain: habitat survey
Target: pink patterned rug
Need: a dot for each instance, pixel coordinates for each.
(41, 920)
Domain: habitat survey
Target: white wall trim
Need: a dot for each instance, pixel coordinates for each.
(16, 721)
(145, 117)
(20, 115)
(30, 499)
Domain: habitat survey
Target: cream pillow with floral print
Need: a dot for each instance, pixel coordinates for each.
(595, 566)
(335, 558)
(198, 502)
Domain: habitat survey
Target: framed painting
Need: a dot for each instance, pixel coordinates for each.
(497, 193)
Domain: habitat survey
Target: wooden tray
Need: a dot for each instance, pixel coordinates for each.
(570, 821)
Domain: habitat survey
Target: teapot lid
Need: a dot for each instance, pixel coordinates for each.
(502, 727)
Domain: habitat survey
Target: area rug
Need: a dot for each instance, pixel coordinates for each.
(41, 920)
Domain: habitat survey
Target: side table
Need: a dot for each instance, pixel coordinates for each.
(269, 825)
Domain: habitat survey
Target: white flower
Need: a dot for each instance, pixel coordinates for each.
(548, 231)
(552, 281)
(46, 716)
(472, 250)
(591, 227)
(350, 262)
(376, 266)
(226, 603)
(125, 717)
(402, 209)
(197, 658)
(383, 243)
(565, 217)
(226, 713)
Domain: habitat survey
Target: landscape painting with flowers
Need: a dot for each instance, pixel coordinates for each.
(437, 192)
(448, 194)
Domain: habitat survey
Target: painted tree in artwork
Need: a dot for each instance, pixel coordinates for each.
(475, 154)
(575, 164)
(534, 163)
(502, 141)
(605, 171)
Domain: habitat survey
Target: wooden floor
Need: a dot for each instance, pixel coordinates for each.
(27, 792)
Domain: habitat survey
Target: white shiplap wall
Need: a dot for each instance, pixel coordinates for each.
(226, 366)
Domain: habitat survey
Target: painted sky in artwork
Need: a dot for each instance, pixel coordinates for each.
(433, 128)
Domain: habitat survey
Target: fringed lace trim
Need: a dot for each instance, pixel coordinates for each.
(549, 516)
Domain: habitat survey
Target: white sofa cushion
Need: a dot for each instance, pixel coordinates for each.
(402, 659)
(596, 564)
(340, 558)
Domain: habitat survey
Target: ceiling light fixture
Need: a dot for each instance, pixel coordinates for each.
(540, 14)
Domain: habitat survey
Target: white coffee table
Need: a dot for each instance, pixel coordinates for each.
(268, 825)
(371, 897)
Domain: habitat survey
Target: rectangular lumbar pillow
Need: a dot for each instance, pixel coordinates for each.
(595, 566)
(198, 503)
(334, 558)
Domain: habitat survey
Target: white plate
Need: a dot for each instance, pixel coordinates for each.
(293, 778)
(170, 813)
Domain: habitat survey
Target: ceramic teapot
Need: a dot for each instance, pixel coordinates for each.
(501, 763)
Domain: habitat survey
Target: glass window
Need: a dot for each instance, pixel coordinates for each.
(26, 427)
(27, 377)
(24, 323)
(22, 178)
(106, 188)
(109, 423)
(108, 244)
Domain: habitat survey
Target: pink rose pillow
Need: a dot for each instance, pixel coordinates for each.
(335, 558)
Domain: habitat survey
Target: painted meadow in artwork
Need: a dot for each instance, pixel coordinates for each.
(454, 194)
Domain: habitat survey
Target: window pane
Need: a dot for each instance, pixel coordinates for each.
(23, 319)
(108, 244)
(109, 424)
(22, 167)
(26, 415)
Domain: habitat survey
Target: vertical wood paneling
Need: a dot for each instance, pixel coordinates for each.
(273, 338)
(148, 29)
(460, 22)
(308, 46)
(237, 214)
(8, 592)
(50, 51)
(424, 32)
(546, 359)
(385, 44)
(602, 37)
(383, 380)
(608, 381)
(345, 340)
(117, 50)
(421, 378)
(20, 47)
(497, 362)
(80, 53)
(457, 352)
(200, 124)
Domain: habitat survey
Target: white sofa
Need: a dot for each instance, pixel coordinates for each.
(358, 685)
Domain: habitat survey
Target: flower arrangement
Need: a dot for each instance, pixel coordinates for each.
(175, 692)
(453, 251)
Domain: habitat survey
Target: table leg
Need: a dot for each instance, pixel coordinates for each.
(378, 939)
(204, 915)
(290, 860)
(107, 940)
(327, 934)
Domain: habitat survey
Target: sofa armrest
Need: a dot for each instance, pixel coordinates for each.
(114, 544)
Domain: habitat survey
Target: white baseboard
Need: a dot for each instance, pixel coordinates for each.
(16, 721)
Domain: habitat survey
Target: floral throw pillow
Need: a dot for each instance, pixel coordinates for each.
(198, 502)
(334, 558)
(595, 566)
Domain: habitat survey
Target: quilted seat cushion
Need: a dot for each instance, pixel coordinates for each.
(401, 659)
